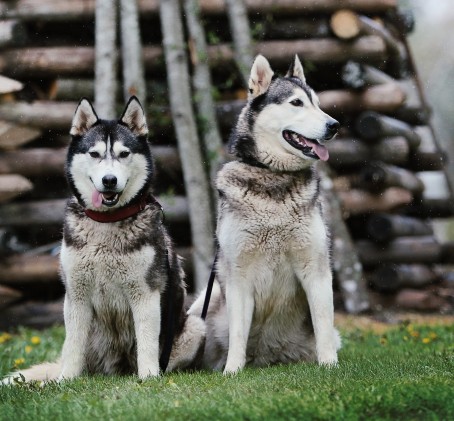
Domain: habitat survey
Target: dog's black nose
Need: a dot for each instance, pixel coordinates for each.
(331, 128)
(109, 181)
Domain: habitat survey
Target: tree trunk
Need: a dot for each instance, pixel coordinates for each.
(106, 58)
(131, 51)
(197, 187)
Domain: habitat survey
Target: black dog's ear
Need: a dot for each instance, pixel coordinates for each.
(134, 117)
(84, 118)
(296, 69)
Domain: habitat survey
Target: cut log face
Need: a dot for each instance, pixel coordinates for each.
(13, 185)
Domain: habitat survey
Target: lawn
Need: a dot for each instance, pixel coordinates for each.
(405, 373)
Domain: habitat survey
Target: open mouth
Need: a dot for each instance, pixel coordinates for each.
(310, 147)
(105, 198)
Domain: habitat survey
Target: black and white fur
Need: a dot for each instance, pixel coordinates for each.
(117, 275)
(273, 299)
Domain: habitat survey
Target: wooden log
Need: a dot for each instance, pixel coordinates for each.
(348, 25)
(410, 299)
(19, 269)
(358, 201)
(383, 228)
(377, 176)
(43, 162)
(402, 250)
(371, 126)
(79, 61)
(33, 162)
(391, 277)
(353, 152)
(8, 85)
(13, 136)
(37, 315)
(40, 114)
(431, 208)
(347, 267)
(56, 10)
(12, 33)
(8, 296)
(421, 160)
(13, 185)
(381, 98)
(358, 75)
(293, 28)
(51, 212)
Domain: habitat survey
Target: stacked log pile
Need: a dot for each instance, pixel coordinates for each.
(386, 166)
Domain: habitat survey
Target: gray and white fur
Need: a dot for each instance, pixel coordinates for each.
(273, 299)
(117, 275)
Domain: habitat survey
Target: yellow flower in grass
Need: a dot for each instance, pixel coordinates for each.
(28, 349)
(35, 340)
(383, 340)
(426, 340)
(19, 361)
(4, 337)
(432, 335)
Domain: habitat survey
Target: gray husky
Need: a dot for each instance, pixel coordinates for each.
(124, 284)
(273, 299)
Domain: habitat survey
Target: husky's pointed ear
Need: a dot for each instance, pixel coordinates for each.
(260, 78)
(134, 117)
(84, 118)
(296, 69)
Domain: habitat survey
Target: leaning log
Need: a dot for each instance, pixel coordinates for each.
(391, 277)
(347, 267)
(195, 178)
(358, 201)
(51, 212)
(383, 228)
(402, 250)
(377, 176)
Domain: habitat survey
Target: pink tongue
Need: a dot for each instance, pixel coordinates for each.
(319, 150)
(96, 199)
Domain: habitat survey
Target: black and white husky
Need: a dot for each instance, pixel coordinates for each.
(273, 302)
(124, 284)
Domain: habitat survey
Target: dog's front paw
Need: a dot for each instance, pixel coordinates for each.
(233, 367)
(147, 372)
(328, 359)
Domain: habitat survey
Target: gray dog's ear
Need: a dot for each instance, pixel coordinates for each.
(134, 117)
(296, 69)
(84, 118)
(260, 78)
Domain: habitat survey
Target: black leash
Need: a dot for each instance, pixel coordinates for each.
(170, 313)
(170, 319)
(206, 303)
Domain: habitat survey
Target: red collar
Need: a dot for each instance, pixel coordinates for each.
(121, 213)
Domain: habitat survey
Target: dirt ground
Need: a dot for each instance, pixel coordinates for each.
(380, 323)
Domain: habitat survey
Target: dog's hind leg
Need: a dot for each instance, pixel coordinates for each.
(189, 345)
(41, 372)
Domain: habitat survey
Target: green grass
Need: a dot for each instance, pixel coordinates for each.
(406, 373)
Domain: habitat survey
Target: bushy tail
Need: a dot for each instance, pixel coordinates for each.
(40, 372)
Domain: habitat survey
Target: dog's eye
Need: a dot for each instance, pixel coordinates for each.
(94, 154)
(297, 103)
(124, 154)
